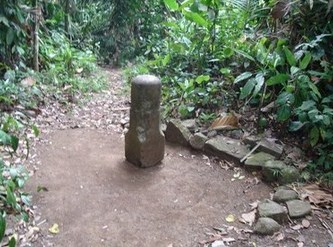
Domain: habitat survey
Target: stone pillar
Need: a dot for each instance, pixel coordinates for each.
(144, 141)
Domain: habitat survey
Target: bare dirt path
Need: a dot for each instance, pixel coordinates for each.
(98, 199)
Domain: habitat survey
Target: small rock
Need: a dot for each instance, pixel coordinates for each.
(289, 174)
(257, 160)
(198, 140)
(285, 195)
(298, 208)
(235, 134)
(272, 170)
(266, 226)
(190, 124)
(218, 243)
(176, 132)
(273, 210)
(266, 145)
(212, 133)
(226, 148)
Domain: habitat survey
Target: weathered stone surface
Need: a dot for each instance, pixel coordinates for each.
(298, 208)
(272, 170)
(226, 148)
(266, 226)
(198, 140)
(257, 160)
(176, 132)
(273, 210)
(289, 174)
(266, 145)
(144, 141)
(190, 124)
(285, 195)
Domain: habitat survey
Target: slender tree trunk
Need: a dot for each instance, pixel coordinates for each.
(35, 35)
(67, 10)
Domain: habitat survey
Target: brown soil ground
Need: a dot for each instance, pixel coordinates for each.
(98, 199)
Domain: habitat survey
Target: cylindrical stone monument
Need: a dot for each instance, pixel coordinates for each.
(144, 141)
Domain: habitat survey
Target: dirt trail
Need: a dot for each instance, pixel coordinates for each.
(98, 199)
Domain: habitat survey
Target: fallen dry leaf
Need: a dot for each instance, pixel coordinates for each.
(28, 82)
(318, 196)
(230, 218)
(250, 217)
(54, 229)
(226, 121)
(228, 240)
(279, 236)
(296, 227)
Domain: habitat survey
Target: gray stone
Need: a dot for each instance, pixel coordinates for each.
(273, 210)
(191, 124)
(144, 141)
(266, 226)
(257, 160)
(226, 148)
(272, 170)
(198, 140)
(211, 133)
(283, 195)
(298, 208)
(289, 174)
(176, 132)
(266, 145)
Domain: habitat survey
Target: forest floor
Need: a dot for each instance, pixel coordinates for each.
(82, 183)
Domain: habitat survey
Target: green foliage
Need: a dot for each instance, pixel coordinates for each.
(12, 176)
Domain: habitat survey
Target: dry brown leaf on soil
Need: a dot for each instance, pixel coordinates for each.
(279, 236)
(28, 82)
(249, 218)
(230, 218)
(318, 196)
(296, 227)
(226, 121)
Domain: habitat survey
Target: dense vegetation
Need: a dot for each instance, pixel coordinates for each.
(271, 57)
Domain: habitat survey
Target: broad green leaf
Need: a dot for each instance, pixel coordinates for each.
(10, 36)
(294, 70)
(186, 3)
(14, 142)
(295, 125)
(5, 139)
(2, 227)
(4, 20)
(283, 113)
(305, 61)
(171, 4)
(242, 77)
(290, 56)
(166, 60)
(314, 88)
(260, 79)
(307, 105)
(278, 79)
(202, 78)
(12, 242)
(35, 130)
(314, 136)
(285, 98)
(247, 89)
(195, 17)
(11, 198)
(244, 54)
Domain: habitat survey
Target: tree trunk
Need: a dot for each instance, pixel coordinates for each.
(67, 11)
(35, 35)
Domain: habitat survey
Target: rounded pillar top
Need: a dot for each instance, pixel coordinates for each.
(146, 80)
